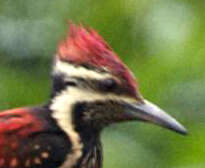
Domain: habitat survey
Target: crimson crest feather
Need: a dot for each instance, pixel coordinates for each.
(86, 46)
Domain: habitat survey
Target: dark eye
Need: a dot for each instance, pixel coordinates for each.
(108, 84)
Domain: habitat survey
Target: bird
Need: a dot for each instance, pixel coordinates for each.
(91, 89)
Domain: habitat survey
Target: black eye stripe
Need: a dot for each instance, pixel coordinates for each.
(58, 83)
(70, 83)
(105, 85)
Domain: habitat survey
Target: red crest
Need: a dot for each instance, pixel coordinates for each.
(86, 46)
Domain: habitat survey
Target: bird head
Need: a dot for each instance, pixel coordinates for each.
(92, 85)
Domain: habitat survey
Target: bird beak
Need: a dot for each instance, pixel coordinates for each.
(149, 112)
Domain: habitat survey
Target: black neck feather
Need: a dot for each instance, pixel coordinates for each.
(90, 137)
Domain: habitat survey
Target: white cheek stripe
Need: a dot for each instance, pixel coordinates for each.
(78, 71)
(62, 107)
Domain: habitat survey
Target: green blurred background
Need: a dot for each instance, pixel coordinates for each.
(162, 41)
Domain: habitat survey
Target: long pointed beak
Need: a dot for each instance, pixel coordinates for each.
(153, 114)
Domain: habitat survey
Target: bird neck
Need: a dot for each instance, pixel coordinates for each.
(90, 138)
(92, 149)
(85, 138)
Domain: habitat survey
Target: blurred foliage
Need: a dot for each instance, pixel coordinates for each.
(162, 41)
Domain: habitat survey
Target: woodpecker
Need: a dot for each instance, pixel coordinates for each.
(91, 89)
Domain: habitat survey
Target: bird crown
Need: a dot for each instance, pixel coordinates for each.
(86, 46)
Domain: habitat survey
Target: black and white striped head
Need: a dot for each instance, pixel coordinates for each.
(91, 81)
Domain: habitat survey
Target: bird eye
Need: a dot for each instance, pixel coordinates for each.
(108, 84)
